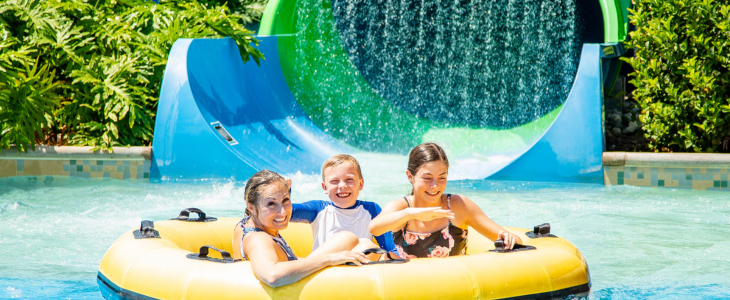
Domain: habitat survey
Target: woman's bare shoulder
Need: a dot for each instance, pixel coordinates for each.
(258, 237)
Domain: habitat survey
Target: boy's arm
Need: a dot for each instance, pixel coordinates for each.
(306, 212)
(384, 240)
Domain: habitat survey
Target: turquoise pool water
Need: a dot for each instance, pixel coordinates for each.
(640, 243)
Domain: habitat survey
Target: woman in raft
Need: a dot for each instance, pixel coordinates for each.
(429, 223)
(256, 237)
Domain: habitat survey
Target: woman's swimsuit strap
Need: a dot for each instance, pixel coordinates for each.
(278, 240)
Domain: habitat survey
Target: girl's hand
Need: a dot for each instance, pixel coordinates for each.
(509, 239)
(429, 213)
(339, 258)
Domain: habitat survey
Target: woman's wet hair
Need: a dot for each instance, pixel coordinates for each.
(425, 153)
(257, 183)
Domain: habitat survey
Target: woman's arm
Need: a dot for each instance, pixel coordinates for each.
(396, 213)
(261, 250)
(477, 219)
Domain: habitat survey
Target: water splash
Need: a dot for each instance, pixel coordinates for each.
(480, 63)
(379, 74)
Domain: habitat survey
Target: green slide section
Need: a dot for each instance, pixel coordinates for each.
(337, 98)
(615, 19)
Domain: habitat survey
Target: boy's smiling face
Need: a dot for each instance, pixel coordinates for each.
(342, 184)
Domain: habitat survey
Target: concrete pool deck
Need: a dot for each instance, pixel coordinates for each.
(697, 171)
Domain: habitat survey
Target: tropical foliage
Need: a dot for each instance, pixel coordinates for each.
(682, 76)
(87, 72)
(250, 11)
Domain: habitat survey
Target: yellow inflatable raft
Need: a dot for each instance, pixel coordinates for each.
(167, 264)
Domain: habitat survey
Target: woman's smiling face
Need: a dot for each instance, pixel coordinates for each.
(429, 182)
(274, 208)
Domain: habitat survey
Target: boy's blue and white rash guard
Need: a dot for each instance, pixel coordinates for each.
(328, 219)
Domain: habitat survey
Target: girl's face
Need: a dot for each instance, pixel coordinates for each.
(429, 182)
(274, 208)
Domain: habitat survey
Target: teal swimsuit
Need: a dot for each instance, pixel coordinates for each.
(279, 240)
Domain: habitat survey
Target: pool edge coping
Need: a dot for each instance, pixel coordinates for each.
(634, 159)
(78, 153)
(681, 160)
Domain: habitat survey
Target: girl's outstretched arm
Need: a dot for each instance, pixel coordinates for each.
(477, 219)
(396, 213)
(261, 250)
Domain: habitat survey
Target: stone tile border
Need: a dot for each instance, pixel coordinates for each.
(707, 172)
(78, 153)
(122, 163)
(697, 171)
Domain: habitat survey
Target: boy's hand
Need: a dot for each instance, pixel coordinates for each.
(429, 213)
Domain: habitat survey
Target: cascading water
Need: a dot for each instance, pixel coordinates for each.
(478, 63)
(387, 72)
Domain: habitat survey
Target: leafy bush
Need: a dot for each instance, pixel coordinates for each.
(682, 73)
(85, 72)
(250, 11)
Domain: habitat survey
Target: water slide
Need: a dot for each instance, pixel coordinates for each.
(512, 90)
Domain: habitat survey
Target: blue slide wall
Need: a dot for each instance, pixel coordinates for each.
(221, 118)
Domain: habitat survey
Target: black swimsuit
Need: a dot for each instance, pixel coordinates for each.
(279, 240)
(442, 243)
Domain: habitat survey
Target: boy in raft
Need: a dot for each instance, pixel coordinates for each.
(342, 181)
(429, 223)
(256, 238)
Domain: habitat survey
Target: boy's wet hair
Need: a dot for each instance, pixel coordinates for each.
(257, 183)
(341, 159)
(425, 153)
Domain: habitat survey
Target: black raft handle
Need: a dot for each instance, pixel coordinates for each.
(203, 255)
(540, 231)
(390, 260)
(499, 247)
(146, 231)
(185, 216)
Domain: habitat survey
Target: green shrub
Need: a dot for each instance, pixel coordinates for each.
(682, 73)
(250, 11)
(90, 71)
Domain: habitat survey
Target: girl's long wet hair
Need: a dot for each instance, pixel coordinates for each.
(257, 183)
(425, 153)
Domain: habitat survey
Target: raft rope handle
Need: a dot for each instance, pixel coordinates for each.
(390, 259)
(185, 216)
(203, 255)
(146, 231)
(499, 247)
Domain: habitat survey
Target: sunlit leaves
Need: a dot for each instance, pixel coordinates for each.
(90, 71)
(27, 98)
(682, 76)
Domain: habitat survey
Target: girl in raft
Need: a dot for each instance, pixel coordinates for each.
(256, 237)
(429, 223)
